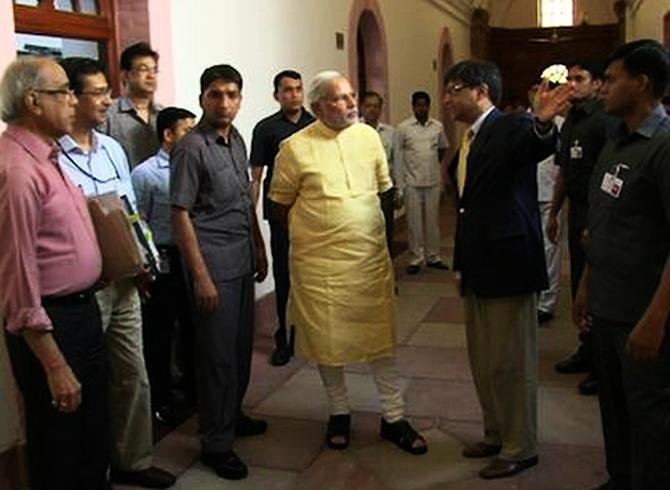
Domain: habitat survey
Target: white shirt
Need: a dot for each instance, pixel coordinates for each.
(416, 148)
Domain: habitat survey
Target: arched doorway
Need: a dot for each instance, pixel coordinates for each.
(445, 61)
(367, 51)
(666, 30)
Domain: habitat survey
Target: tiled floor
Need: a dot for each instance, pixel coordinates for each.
(440, 400)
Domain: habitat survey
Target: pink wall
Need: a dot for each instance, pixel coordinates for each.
(160, 36)
(7, 38)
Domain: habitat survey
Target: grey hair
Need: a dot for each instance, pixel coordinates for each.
(21, 75)
(319, 84)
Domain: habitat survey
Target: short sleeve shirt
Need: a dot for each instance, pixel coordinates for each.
(209, 178)
(267, 136)
(629, 235)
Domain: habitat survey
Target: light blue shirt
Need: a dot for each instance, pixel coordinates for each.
(151, 181)
(102, 169)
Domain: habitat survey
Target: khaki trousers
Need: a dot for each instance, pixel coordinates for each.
(502, 347)
(129, 393)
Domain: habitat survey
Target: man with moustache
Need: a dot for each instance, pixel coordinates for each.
(49, 265)
(326, 187)
(583, 135)
(131, 119)
(624, 293)
(97, 164)
(215, 227)
(267, 136)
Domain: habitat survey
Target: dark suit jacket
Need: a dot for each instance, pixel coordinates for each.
(498, 245)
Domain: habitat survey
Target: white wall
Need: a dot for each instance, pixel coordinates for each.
(262, 37)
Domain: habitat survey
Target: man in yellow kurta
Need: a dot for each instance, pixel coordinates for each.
(326, 183)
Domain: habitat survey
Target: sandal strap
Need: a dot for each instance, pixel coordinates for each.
(339, 425)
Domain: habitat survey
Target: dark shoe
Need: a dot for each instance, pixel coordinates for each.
(579, 362)
(246, 426)
(227, 465)
(404, 436)
(281, 356)
(588, 386)
(413, 269)
(339, 426)
(480, 450)
(150, 478)
(544, 316)
(500, 468)
(438, 265)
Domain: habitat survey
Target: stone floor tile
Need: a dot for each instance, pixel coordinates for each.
(446, 310)
(202, 478)
(433, 362)
(454, 400)
(442, 335)
(288, 444)
(403, 471)
(337, 470)
(303, 396)
(564, 417)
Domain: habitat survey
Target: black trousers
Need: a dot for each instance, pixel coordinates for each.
(576, 226)
(224, 346)
(169, 304)
(635, 409)
(67, 451)
(279, 246)
(388, 209)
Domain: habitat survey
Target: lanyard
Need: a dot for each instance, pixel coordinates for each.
(95, 179)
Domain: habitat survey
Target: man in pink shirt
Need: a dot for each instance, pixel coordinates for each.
(49, 264)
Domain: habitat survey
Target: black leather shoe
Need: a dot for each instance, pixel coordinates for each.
(588, 386)
(281, 356)
(438, 265)
(501, 468)
(579, 362)
(480, 450)
(544, 316)
(227, 465)
(150, 478)
(413, 269)
(247, 426)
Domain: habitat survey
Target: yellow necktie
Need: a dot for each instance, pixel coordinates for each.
(463, 159)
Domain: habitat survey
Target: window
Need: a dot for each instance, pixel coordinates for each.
(63, 28)
(553, 13)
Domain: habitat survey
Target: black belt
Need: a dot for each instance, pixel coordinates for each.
(80, 298)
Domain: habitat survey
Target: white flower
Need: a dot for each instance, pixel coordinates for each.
(556, 74)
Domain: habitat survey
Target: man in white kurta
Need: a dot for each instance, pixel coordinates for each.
(328, 177)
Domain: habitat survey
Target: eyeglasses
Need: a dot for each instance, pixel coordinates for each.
(146, 69)
(454, 89)
(56, 91)
(98, 94)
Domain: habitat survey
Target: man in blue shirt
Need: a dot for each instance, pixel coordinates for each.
(169, 297)
(97, 164)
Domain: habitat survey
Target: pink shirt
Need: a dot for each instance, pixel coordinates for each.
(48, 245)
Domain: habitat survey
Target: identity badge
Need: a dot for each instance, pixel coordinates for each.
(576, 151)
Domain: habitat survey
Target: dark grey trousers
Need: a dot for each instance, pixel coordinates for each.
(224, 345)
(635, 410)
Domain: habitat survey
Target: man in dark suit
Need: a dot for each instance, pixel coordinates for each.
(499, 255)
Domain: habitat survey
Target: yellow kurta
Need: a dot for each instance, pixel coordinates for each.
(342, 302)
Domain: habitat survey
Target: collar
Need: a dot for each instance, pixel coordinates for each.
(588, 106)
(163, 159)
(476, 126)
(36, 145)
(648, 127)
(126, 105)
(303, 115)
(69, 144)
(415, 121)
(212, 136)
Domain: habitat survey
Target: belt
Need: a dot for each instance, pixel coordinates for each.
(79, 298)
